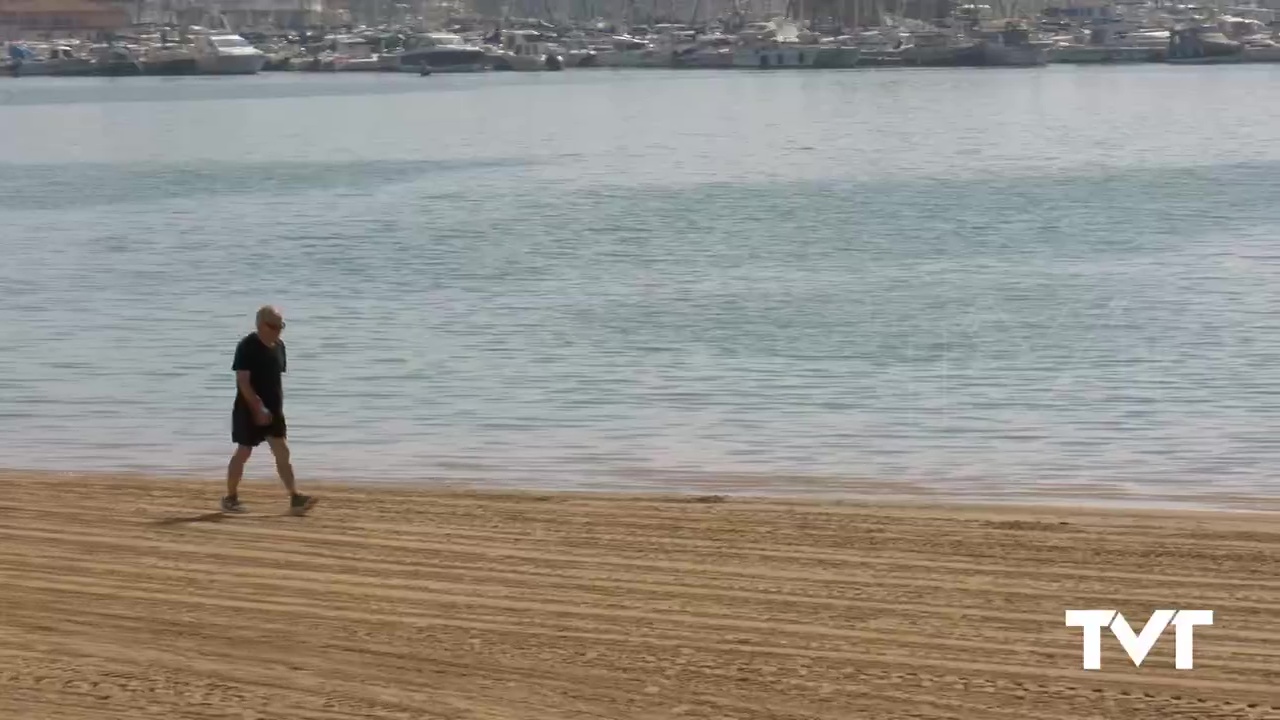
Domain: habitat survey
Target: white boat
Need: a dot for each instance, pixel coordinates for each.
(439, 53)
(227, 54)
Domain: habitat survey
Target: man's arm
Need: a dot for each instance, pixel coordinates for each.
(242, 364)
(246, 389)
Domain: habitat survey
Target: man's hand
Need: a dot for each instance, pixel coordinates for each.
(262, 415)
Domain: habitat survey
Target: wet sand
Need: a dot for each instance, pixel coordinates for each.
(128, 598)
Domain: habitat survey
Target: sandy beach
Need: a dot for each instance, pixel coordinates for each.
(130, 598)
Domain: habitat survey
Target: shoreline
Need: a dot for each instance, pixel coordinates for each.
(132, 598)
(1093, 497)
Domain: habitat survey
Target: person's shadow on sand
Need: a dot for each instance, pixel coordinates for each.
(207, 517)
(210, 517)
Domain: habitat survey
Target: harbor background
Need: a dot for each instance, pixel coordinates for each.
(978, 282)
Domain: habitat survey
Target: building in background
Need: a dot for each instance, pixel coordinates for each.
(235, 14)
(25, 18)
(270, 13)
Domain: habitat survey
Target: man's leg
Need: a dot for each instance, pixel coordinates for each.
(235, 471)
(284, 468)
(298, 503)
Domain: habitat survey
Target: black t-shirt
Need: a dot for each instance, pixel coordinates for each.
(265, 366)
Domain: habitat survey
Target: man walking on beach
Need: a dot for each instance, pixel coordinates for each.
(258, 413)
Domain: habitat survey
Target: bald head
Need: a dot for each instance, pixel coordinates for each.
(270, 313)
(270, 323)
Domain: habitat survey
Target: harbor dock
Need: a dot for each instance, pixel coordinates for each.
(969, 36)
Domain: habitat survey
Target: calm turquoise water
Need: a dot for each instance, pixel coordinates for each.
(967, 280)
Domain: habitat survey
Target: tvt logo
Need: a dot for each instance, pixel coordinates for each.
(1137, 646)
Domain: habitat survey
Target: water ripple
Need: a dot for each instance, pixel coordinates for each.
(652, 290)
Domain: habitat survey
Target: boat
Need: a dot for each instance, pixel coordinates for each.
(1011, 46)
(1259, 43)
(1203, 45)
(169, 59)
(524, 51)
(937, 49)
(575, 50)
(1262, 51)
(625, 51)
(437, 53)
(115, 60)
(348, 53)
(280, 51)
(1104, 45)
(875, 48)
(775, 55)
(834, 55)
(53, 59)
(713, 50)
(772, 45)
(227, 54)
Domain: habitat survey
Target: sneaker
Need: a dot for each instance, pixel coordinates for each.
(300, 504)
(232, 505)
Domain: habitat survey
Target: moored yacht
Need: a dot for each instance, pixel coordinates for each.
(439, 53)
(227, 54)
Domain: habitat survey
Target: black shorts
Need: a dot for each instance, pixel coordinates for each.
(244, 431)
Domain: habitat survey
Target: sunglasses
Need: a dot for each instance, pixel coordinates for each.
(274, 326)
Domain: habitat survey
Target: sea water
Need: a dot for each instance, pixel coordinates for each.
(787, 281)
